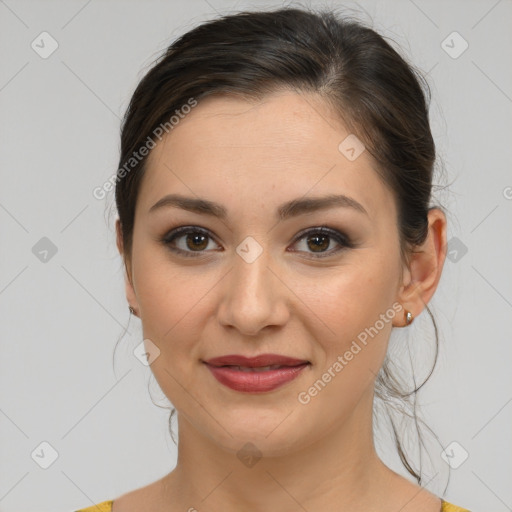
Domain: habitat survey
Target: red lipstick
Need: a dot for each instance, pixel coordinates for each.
(255, 374)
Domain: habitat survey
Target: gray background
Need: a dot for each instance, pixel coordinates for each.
(61, 318)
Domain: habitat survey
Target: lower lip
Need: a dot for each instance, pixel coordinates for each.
(251, 382)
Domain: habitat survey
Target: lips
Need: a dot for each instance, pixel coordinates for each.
(256, 369)
(255, 374)
(261, 361)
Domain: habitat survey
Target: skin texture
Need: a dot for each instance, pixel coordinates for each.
(251, 157)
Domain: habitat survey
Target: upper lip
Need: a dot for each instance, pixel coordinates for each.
(255, 362)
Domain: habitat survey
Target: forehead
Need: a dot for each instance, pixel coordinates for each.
(286, 145)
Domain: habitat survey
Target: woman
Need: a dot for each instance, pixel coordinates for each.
(275, 224)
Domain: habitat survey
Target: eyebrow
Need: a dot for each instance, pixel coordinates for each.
(285, 211)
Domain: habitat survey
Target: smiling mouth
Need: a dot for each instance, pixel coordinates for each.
(256, 379)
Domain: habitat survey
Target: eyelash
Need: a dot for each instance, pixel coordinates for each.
(339, 237)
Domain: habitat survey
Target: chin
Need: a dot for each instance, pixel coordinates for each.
(271, 438)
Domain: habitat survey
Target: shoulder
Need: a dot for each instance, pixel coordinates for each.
(104, 506)
(148, 497)
(449, 507)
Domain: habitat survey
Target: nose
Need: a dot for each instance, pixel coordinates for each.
(253, 296)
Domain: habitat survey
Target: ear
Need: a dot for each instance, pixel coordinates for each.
(426, 264)
(129, 290)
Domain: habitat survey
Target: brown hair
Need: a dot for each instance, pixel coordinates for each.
(376, 93)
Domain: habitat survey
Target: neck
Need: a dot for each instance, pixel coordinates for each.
(338, 471)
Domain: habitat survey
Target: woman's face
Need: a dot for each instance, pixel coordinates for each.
(262, 279)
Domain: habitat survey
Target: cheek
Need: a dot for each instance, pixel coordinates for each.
(166, 295)
(176, 306)
(172, 305)
(353, 296)
(359, 312)
(355, 306)
(170, 302)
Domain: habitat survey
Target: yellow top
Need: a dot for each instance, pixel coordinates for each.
(106, 506)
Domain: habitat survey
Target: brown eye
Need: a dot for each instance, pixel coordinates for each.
(196, 241)
(187, 240)
(318, 241)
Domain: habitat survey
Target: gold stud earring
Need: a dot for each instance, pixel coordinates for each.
(408, 318)
(132, 311)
